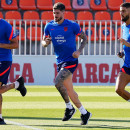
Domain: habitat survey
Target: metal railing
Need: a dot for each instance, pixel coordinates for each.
(102, 37)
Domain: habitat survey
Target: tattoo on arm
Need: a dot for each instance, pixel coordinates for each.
(62, 75)
(84, 42)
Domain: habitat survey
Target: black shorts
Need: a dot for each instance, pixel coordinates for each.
(70, 65)
(125, 70)
(5, 67)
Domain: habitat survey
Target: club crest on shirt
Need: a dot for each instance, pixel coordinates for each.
(65, 29)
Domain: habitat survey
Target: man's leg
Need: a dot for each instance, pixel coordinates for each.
(85, 115)
(1, 99)
(122, 80)
(3, 89)
(72, 94)
(61, 76)
(2, 122)
(19, 85)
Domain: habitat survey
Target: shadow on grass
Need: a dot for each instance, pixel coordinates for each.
(73, 125)
(74, 119)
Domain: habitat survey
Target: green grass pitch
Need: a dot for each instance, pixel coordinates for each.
(43, 109)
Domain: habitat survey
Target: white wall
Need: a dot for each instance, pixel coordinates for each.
(92, 70)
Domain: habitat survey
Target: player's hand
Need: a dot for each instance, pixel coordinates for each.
(122, 41)
(48, 40)
(76, 54)
(120, 54)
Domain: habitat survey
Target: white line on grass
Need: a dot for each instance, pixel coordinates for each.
(22, 125)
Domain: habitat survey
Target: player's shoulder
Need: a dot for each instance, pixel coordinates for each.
(3, 21)
(124, 25)
(49, 24)
(72, 24)
(70, 21)
(5, 24)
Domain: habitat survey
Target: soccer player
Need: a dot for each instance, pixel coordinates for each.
(8, 41)
(124, 75)
(62, 33)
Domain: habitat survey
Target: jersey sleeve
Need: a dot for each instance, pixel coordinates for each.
(9, 31)
(77, 29)
(46, 30)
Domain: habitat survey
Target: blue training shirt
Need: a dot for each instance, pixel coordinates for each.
(126, 36)
(6, 34)
(63, 38)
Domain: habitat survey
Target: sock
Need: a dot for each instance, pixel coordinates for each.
(16, 84)
(1, 116)
(82, 110)
(69, 105)
(128, 100)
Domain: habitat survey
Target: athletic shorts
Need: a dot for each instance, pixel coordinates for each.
(70, 65)
(5, 67)
(125, 70)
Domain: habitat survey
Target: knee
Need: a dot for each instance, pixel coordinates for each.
(58, 83)
(60, 87)
(1, 91)
(119, 91)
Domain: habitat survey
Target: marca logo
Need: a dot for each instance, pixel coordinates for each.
(26, 70)
(94, 73)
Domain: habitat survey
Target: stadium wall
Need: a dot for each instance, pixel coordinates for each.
(41, 70)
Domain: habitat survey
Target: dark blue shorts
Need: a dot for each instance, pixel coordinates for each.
(5, 67)
(70, 65)
(125, 70)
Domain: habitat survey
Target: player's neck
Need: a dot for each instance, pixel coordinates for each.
(127, 22)
(61, 21)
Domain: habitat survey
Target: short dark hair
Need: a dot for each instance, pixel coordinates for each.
(60, 6)
(125, 4)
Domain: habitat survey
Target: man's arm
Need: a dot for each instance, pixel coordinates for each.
(12, 45)
(46, 41)
(83, 43)
(124, 42)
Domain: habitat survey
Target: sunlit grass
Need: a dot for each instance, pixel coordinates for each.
(43, 109)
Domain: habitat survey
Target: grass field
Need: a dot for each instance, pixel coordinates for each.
(43, 108)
